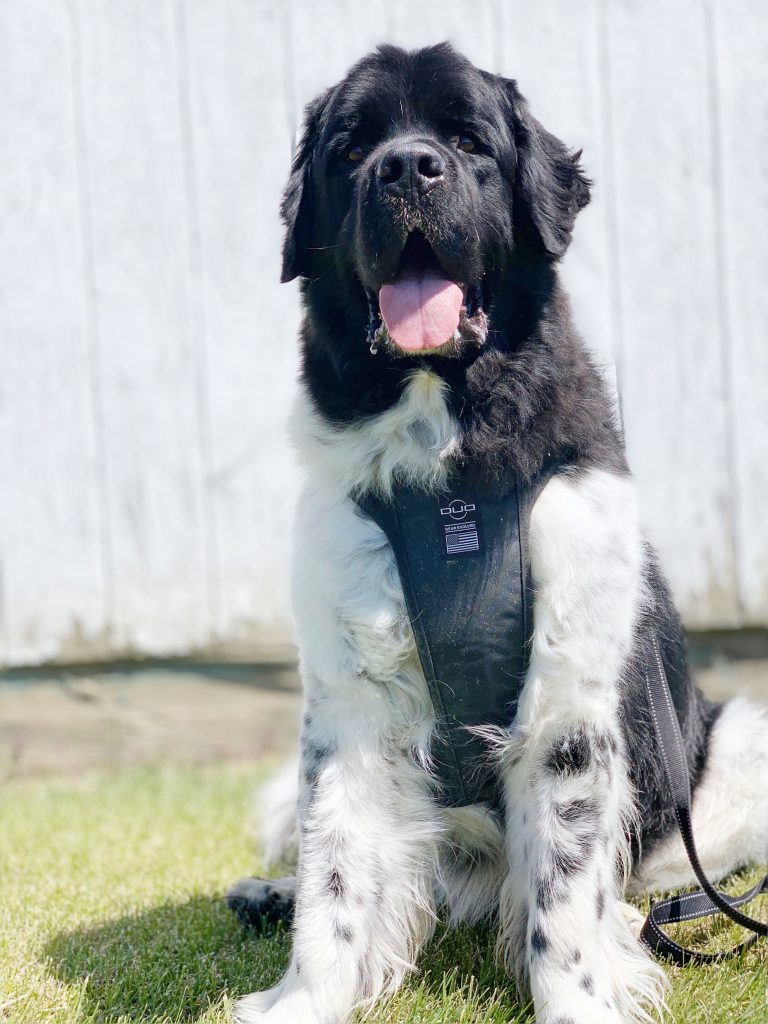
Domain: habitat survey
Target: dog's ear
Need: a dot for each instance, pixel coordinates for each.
(551, 187)
(296, 207)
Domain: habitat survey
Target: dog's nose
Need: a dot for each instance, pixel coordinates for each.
(409, 171)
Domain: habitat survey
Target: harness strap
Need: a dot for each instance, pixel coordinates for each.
(707, 901)
(462, 561)
(464, 566)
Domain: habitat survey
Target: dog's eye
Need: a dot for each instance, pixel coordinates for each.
(466, 144)
(354, 153)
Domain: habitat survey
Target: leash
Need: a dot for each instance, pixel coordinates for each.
(707, 901)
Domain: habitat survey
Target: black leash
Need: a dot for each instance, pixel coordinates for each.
(707, 901)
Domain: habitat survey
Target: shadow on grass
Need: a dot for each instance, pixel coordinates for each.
(177, 961)
(459, 970)
(173, 962)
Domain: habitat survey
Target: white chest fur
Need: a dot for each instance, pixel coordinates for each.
(358, 656)
(414, 439)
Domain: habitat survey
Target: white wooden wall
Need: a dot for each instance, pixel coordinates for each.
(147, 352)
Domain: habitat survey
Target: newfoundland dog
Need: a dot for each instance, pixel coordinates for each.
(425, 213)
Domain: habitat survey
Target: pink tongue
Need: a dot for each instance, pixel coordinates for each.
(421, 309)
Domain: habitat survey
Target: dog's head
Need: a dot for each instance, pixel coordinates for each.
(418, 183)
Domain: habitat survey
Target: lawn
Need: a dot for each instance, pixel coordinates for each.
(111, 911)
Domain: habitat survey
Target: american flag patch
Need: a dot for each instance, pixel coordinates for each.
(461, 538)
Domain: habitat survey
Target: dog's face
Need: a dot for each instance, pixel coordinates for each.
(420, 181)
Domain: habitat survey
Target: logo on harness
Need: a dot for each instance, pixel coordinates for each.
(457, 509)
(461, 535)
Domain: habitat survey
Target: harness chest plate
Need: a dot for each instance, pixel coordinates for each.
(463, 562)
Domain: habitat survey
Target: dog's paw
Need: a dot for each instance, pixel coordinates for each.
(634, 918)
(594, 1017)
(279, 1005)
(253, 1009)
(261, 903)
(595, 1014)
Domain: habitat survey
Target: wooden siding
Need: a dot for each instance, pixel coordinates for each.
(148, 354)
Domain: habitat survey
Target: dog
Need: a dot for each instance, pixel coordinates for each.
(425, 214)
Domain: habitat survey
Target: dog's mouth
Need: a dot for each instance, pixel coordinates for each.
(423, 309)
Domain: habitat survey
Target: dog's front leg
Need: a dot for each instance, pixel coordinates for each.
(367, 824)
(572, 797)
(364, 902)
(567, 791)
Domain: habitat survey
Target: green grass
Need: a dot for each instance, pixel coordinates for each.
(111, 911)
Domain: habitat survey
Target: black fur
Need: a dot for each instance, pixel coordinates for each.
(265, 914)
(600, 904)
(500, 220)
(539, 942)
(551, 890)
(570, 755)
(532, 390)
(336, 885)
(576, 811)
(544, 894)
(568, 862)
(314, 757)
(587, 982)
(696, 714)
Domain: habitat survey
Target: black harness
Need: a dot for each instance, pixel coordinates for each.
(464, 567)
(465, 571)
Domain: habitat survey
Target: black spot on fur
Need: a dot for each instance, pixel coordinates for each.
(550, 891)
(576, 956)
(539, 942)
(584, 811)
(579, 822)
(569, 862)
(321, 752)
(600, 904)
(587, 982)
(335, 885)
(344, 933)
(314, 757)
(570, 755)
(544, 895)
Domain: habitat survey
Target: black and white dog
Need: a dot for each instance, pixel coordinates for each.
(425, 200)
